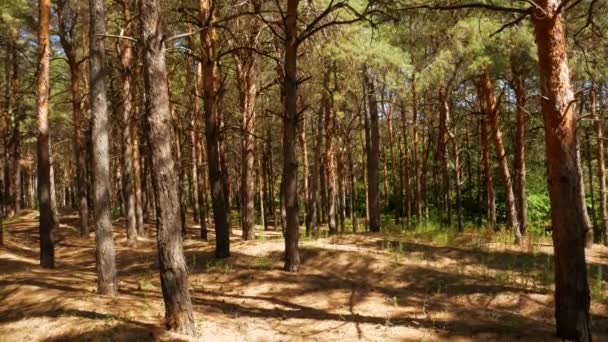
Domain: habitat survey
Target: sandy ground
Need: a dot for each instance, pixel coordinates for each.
(350, 288)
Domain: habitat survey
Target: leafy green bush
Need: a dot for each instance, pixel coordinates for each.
(539, 207)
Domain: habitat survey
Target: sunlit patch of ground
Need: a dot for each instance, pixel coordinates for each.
(399, 287)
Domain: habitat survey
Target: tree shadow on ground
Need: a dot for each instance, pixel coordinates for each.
(334, 285)
(120, 333)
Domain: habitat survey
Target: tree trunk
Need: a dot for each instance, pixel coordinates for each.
(589, 156)
(194, 111)
(373, 154)
(601, 167)
(353, 191)
(289, 189)
(520, 153)
(46, 217)
(328, 156)
(396, 185)
(211, 80)
(489, 181)
(247, 77)
(417, 198)
(492, 113)
(172, 264)
(4, 158)
(424, 192)
(457, 185)
(15, 142)
(80, 153)
(261, 196)
(134, 125)
(305, 167)
(8, 102)
(312, 214)
(128, 188)
(442, 149)
(568, 213)
(200, 158)
(104, 242)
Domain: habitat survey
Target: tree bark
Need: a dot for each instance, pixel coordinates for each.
(396, 185)
(8, 102)
(172, 264)
(373, 154)
(46, 217)
(353, 190)
(210, 83)
(134, 125)
(246, 70)
(80, 153)
(128, 181)
(487, 169)
(417, 197)
(305, 166)
(492, 113)
(442, 149)
(200, 158)
(328, 156)
(15, 140)
(520, 153)
(290, 129)
(568, 213)
(601, 167)
(312, 214)
(104, 242)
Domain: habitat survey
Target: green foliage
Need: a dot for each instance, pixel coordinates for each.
(539, 207)
(377, 48)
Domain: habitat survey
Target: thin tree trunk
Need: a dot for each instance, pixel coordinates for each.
(397, 186)
(128, 188)
(520, 153)
(247, 77)
(8, 102)
(442, 148)
(15, 176)
(417, 197)
(568, 213)
(589, 154)
(341, 192)
(425, 167)
(134, 125)
(4, 125)
(305, 166)
(289, 189)
(210, 80)
(328, 156)
(373, 154)
(353, 191)
(601, 167)
(492, 113)
(172, 264)
(46, 217)
(200, 158)
(104, 242)
(261, 196)
(80, 152)
(312, 214)
(457, 185)
(194, 111)
(489, 181)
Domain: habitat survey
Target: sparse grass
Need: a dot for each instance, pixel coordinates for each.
(428, 282)
(218, 266)
(263, 262)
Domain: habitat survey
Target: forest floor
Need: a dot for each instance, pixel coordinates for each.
(369, 287)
